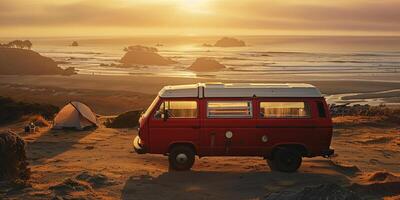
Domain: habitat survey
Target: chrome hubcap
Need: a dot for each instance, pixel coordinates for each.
(181, 158)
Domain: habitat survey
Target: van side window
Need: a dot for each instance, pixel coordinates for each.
(284, 110)
(321, 109)
(177, 109)
(229, 109)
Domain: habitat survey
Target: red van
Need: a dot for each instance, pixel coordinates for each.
(279, 122)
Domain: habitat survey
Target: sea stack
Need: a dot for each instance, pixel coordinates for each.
(74, 44)
(229, 42)
(205, 64)
(142, 55)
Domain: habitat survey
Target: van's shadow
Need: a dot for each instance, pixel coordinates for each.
(221, 185)
(54, 142)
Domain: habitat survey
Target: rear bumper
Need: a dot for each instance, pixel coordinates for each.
(138, 148)
(328, 153)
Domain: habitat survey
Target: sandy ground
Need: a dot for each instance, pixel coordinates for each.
(110, 95)
(364, 146)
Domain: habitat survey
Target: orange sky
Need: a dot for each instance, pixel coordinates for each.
(20, 18)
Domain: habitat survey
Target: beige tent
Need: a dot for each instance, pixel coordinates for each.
(75, 115)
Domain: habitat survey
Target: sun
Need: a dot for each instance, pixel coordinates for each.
(196, 6)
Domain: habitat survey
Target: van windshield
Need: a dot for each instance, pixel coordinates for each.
(150, 108)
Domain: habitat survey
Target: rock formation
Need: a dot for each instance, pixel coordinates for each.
(229, 42)
(15, 61)
(142, 55)
(207, 45)
(13, 162)
(18, 44)
(74, 44)
(204, 64)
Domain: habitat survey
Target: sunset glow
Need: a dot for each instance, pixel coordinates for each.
(200, 17)
(196, 6)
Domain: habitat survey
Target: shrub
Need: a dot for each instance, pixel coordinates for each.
(125, 120)
(12, 110)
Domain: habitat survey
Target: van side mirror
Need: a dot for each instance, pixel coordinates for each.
(165, 115)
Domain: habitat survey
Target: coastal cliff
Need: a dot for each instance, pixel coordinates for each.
(14, 61)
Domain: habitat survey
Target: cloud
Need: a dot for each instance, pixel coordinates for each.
(340, 15)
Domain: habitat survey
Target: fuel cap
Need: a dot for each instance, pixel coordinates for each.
(264, 138)
(229, 134)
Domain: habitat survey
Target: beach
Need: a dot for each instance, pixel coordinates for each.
(111, 95)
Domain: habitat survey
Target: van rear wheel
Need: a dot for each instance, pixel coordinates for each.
(181, 158)
(285, 160)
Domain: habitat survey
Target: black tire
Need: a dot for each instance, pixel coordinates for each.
(271, 165)
(181, 158)
(285, 160)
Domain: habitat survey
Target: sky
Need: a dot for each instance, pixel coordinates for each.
(36, 18)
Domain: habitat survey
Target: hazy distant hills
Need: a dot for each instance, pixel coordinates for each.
(15, 61)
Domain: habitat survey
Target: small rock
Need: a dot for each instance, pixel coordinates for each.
(89, 147)
(71, 185)
(95, 179)
(345, 168)
(383, 176)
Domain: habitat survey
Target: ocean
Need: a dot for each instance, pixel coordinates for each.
(265, 58)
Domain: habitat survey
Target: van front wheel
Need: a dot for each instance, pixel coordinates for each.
(285, 160)
(181, 158)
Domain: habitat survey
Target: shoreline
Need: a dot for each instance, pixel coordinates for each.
(154, 83)
(111, 95)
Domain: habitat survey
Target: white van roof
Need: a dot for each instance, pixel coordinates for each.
(241, 90)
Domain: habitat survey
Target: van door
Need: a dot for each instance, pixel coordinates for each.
(284, 121)
(227, 127)
(174, 121)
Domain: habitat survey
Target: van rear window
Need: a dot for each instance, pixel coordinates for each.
(229, 109)
(321, 109)
(284, 110)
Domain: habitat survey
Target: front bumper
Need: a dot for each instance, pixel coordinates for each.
(136, 145)
(328, 153)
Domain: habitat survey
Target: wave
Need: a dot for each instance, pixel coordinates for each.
(72, 52)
